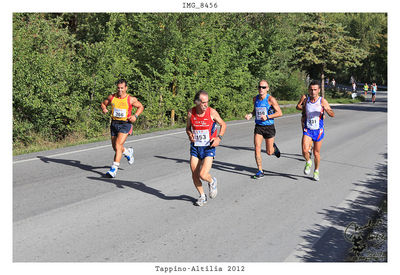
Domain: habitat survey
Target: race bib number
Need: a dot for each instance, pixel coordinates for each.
(119, 113)
(260, 111)
(313, 123)
(201, 137)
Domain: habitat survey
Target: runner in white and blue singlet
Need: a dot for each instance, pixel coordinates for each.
(314, 107)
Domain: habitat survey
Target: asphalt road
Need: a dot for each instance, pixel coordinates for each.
(65, 210)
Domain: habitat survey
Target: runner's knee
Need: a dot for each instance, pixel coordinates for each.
(203, 175)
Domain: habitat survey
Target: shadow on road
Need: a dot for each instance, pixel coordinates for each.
(347, 232)
(298, 157)
(239, 169)
(140, 186)
(74, 163)
(118, 183)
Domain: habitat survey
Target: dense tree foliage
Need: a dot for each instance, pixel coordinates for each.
(65, 64)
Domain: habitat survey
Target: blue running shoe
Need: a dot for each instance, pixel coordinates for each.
(259, 175)
(113, 171)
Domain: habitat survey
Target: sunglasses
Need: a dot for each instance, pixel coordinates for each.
(262, 87)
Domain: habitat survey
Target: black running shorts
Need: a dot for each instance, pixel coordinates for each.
(267, 131)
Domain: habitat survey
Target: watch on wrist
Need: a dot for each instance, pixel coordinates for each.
(136, 116)
(220, 137)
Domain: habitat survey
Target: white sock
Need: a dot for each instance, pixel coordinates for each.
(116, 164)
(125, 152)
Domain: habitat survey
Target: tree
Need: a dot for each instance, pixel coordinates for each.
(323, 46)
(44, 81)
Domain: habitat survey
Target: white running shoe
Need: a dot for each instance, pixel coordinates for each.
(201, 201)
(316, 175)
(307, 168)
(129, 156)
(113, 171)
(212, 187)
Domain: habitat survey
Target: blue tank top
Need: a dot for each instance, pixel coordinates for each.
(262, 107)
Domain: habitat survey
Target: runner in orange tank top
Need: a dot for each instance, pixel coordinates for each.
(121, 122)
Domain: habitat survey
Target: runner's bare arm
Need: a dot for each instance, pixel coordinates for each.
(216, 117)
(274, 103)
(189, 127)
(327, 108)
(105, 103)
(139, 108)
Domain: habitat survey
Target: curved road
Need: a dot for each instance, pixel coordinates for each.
(65, 210)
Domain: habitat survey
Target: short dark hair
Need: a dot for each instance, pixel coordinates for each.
(315, 82)
(120, 81)
(197, 96)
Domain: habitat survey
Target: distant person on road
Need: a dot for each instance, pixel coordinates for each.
(333, 82)
(265, 109)
(121, 122)
(366, 89)
(202, 132)
(374, 89)
(314, 107)
(354, 87)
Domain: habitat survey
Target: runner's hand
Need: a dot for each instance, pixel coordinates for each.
(214, 142)
(191, 137)
(248, 116)
(132, 119)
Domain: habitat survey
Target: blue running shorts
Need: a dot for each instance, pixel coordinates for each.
(315, 135)
(201, 152)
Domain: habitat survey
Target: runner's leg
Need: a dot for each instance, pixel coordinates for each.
(118, 146)
(306, 146)
(257, 150)
(205, 169)
(195, 165)
(269, 144)
(317, 157)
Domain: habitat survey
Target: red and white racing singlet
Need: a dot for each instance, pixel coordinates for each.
(203, 128)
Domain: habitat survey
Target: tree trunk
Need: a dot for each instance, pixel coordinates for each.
(173, 94)
(323, 84)
(172, 117)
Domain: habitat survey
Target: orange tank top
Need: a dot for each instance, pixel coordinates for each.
(121, 109)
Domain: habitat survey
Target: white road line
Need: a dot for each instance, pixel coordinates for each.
(129, 141)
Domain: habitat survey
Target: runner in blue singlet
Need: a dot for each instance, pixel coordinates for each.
(266, 109)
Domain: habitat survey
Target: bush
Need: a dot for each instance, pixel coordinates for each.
(290, 88)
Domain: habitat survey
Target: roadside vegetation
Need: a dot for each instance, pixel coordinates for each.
(65, 64)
